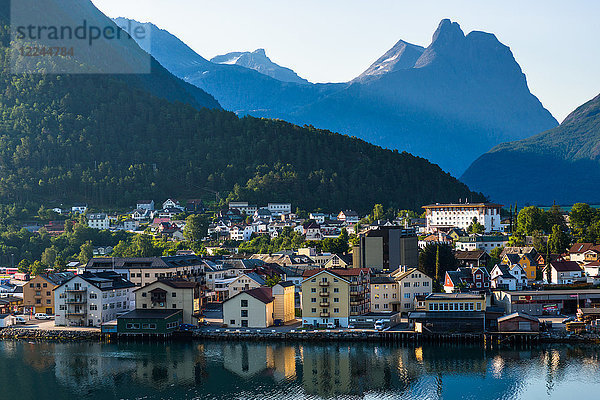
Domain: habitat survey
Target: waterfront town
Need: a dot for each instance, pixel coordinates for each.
(456, 268)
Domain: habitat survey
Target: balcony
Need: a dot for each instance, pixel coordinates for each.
(76, 301)
(77, 313)
(324, 294)
(324, 304)
(75, 290)
(324, 315)
(323, 284)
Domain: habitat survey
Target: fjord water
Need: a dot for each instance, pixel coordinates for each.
(223, 370)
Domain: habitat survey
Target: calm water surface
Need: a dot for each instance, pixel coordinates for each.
(217, 370)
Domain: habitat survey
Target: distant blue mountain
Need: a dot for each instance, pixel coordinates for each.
(449, 102)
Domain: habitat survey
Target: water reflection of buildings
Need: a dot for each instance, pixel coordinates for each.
(249, 359)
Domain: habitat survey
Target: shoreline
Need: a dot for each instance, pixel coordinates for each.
(237, 335)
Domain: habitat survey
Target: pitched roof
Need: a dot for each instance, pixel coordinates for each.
(58, 278)
(262, 294)
(505, 271)
(336, 271)
(565, 266)
(286, 283)
(382, 280)
(580, 248)
(513, 258)
(470, 255)
(517, 314)
(255, 277)
(106, 280)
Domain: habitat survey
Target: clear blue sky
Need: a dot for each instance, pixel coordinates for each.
(554, 41)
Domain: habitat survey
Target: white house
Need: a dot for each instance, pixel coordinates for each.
(243, 207)
(79, 208)
(508, 277)
(141, 214)
(563, 272)
(349, 216)
(243, 233)
(250, 309)
(243, 282)
(90, 299)
(319, 218)
(447, 216)
(278, 209)
(98, 221)
(131, 225)
(481, 242)
(172, 203)
(145, 205)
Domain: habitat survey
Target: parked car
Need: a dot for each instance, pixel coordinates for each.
(331, 325)
(568, 319)
(42, 316)
(380, 325)
(20, 319)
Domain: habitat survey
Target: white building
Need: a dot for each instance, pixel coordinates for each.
(319, 218)
(278, 209)
(91, 299)
(481, 242)
(243, 207)
(79, 208)
(506, 277)
(243, 233)
(171, 203)
(98, 221)
(145, 205)
(447, 216)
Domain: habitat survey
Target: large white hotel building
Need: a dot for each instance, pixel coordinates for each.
(443, 217)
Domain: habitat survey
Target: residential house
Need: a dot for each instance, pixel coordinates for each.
(286, 259)
(476, 258)
(252, 308)
(384, 294)
(263, 215)
(79, 208)
(339, 261)
(37, 293)
(246, 281)
(411, 284)
(520, 250)
(145, 205)
(508, 277)
(526, 261)
(90, 299)
(243, 207)
(172, 203)
(278, 209)
(584, 253)
(131, 225)
(141, 214)
(331, 296)
(242, 233)
(563, 272)
(437, 238)
(319, 218)
(348, 216)
(312, 231)
(319, 259)
(194, 206)
(481, 242)
(169, 294)
(98, 221)
(466, 279)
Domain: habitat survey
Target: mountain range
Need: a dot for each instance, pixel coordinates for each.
(561, 164)
(109, 139)
(449, 102)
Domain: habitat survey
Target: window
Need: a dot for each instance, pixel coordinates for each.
(45, 285)
(377, 306)
(430, 307)
(336, 299)
(31, 285)
(313, 300)
(62, 307)
(336, 290)
(144, 305)
(174, 305)
(244, 303)
(144, 326)
(478, 306)
(406, 284)
(48, 301)
(313, 310)
(38, 301)
(147, 275)
(93, 296)
(245, 323)
(244, 314)
(174, 294)
(313, 290)
(407, 295)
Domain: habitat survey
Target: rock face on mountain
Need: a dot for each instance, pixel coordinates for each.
(561, 164)
(258, 61)
(449, 102)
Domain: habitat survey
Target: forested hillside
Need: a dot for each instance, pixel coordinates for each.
(93, 138)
